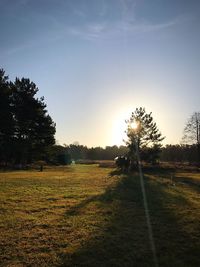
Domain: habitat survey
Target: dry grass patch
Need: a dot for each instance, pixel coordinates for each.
(90, 216)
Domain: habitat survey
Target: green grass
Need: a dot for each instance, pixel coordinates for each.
(88, 216)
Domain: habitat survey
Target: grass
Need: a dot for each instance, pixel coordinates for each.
(84, 215)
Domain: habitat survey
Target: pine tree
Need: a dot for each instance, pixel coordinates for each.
(6, 119)
(34, 128)
(143, 135)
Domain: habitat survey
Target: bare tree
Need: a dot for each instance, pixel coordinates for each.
(192, 131)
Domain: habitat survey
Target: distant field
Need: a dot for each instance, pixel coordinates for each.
(89, 216)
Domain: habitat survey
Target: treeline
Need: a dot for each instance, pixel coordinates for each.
(180, 153)
(58, 154)
(26, 129)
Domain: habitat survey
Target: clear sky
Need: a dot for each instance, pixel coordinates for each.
(95, 61)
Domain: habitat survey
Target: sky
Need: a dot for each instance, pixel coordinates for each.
(95, 61)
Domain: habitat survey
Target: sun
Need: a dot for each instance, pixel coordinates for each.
(134, 125)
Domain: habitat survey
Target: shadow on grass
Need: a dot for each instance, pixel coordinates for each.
(190, 181)
(175, 224)
(159, 170)
(116, 172)
(123, 240)
(173, 177)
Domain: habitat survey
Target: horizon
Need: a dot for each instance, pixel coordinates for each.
(95, 62)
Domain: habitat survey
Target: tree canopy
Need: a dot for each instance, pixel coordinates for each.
(143, 133)
(6, 118)
(26, 128)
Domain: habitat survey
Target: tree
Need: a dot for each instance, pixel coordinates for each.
(192, 132)
(6, 118)
(34, 128)
(77, 151)
(143, 136)
(179, 153)
(26, 129)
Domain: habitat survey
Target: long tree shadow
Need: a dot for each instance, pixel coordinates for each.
(176, 225)
(124, 238)
(172, 176)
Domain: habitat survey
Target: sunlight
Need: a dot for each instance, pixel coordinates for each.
(120, 126)
(134, 125)
(119, 133)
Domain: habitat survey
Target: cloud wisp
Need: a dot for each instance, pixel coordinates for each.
(106, 30)
(93, 23)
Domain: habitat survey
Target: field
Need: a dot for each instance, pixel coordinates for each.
(84, 215)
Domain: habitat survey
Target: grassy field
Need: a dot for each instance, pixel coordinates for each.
(88, 216)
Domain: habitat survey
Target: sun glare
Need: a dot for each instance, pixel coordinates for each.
(120, 126)
(134, 125)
